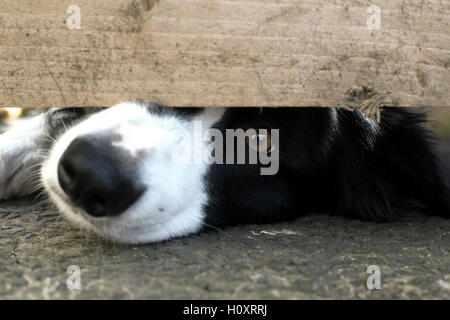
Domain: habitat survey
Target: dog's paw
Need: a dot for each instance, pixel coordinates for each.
(20, 157)
(17, 164)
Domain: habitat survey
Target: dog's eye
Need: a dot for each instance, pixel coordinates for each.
(260, 141)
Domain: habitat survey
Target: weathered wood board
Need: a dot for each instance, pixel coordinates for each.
(223, 52)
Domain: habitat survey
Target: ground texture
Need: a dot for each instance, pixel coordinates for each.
(313, 257)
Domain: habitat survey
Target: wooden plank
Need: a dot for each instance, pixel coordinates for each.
(225, 53)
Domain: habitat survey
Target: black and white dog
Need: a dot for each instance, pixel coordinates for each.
(112, 170)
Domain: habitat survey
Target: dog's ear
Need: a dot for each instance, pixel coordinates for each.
(364, 189)
(365, 193)
(401, 165)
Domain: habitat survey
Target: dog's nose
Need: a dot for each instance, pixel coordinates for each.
(94, 179)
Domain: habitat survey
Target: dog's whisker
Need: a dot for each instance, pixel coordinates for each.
(38, 196)
(46, 138)
(206, 224)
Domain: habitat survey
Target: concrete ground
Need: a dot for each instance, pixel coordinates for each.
(312, 257)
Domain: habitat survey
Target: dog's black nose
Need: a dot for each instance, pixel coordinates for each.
(94, 179)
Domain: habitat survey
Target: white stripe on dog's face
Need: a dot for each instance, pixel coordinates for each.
(174, 194)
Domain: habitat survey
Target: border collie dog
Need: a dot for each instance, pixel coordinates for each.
(113, 171)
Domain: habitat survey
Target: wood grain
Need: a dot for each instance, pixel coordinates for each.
(223, 52)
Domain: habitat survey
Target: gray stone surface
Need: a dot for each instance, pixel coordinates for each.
(312, 257)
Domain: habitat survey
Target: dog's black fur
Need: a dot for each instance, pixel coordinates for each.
(361, 174)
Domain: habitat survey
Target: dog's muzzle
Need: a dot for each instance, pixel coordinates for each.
(93, 176)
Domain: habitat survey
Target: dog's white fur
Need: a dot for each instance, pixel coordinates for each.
(172, 204)
(20, 156)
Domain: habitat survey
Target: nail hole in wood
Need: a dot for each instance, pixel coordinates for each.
(147, 5)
